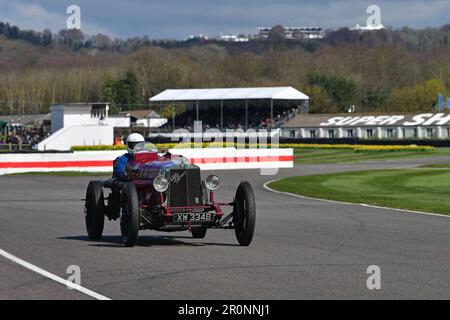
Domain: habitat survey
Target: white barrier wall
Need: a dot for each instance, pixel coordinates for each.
(101, 161)
(81, 135)
(232, 158)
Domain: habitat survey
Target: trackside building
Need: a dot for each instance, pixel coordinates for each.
(365, 126)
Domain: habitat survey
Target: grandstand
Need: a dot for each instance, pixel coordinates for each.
(232, 108)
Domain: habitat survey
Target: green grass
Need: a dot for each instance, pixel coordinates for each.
(63, 173)
(421, 189)
(305, 156)
(437, 166)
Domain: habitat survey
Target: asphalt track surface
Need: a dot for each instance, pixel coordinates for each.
(303, 248)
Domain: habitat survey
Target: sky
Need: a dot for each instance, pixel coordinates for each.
(179, 19)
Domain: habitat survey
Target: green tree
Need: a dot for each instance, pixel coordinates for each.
(402, 99)
(47, 38)
(169, 112)
(126, 89)
(427, 93)
(320, 102)
(373, 99)
(276, 33)
(342, 91)
(109, 93)
(421, 97)
(122, 92)
(73, 38)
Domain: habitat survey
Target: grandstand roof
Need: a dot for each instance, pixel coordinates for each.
(276, 93)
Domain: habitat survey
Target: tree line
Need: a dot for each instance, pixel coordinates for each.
(390, 70)
(414, 39)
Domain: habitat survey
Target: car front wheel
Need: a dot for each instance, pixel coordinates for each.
(199, 232)
(244, 214)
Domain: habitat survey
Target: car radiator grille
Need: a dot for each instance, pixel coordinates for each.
(185, 188)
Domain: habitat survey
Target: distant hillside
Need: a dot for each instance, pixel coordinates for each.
(413, 39)
(395, 70)
(18, 55)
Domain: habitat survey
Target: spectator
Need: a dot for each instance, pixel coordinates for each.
(102, 121)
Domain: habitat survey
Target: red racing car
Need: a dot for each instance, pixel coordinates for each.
(166, 193)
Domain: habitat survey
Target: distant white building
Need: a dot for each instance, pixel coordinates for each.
(294, 33)
(67, 115)
(367, 28)
(81, 124)
(198, 37)
(233, 38)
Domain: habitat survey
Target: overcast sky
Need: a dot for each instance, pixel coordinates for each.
(178, 19)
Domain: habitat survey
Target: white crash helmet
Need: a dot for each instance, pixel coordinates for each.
(132, 140)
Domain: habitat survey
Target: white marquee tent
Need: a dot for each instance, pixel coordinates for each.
(226, 94)
(274, 93)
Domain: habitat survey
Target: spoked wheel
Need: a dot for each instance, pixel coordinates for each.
(95, 210)
(244, 214)
(129, 218)
(198, 232)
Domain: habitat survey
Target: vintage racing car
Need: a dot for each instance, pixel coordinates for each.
(166, 193)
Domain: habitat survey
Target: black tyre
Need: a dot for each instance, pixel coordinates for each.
(129, 218)
(244, 214)
(199, 232)
(95, 210)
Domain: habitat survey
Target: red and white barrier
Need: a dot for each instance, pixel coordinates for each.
(101, 161)
(232, 158)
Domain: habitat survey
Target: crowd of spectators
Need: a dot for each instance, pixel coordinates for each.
(279, 120)
(234, 118)
(19, 138)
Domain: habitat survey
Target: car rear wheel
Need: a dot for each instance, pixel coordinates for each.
(199, 232)
(244, 214)
(129, 218)
(95, 210)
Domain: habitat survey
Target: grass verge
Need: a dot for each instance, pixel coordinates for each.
(437, 166)
(421, 189)
(307, 156)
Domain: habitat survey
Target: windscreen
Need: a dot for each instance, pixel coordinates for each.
(145, 146)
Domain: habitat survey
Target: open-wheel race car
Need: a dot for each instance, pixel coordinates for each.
(164, 192)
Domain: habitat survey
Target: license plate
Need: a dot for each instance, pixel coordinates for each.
(193, 217)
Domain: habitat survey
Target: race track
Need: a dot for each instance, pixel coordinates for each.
(303, 249)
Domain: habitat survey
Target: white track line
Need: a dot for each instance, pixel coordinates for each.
(266, 186)
(51, 276)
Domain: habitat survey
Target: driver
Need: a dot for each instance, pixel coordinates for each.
(121, 162)
(112, 210)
